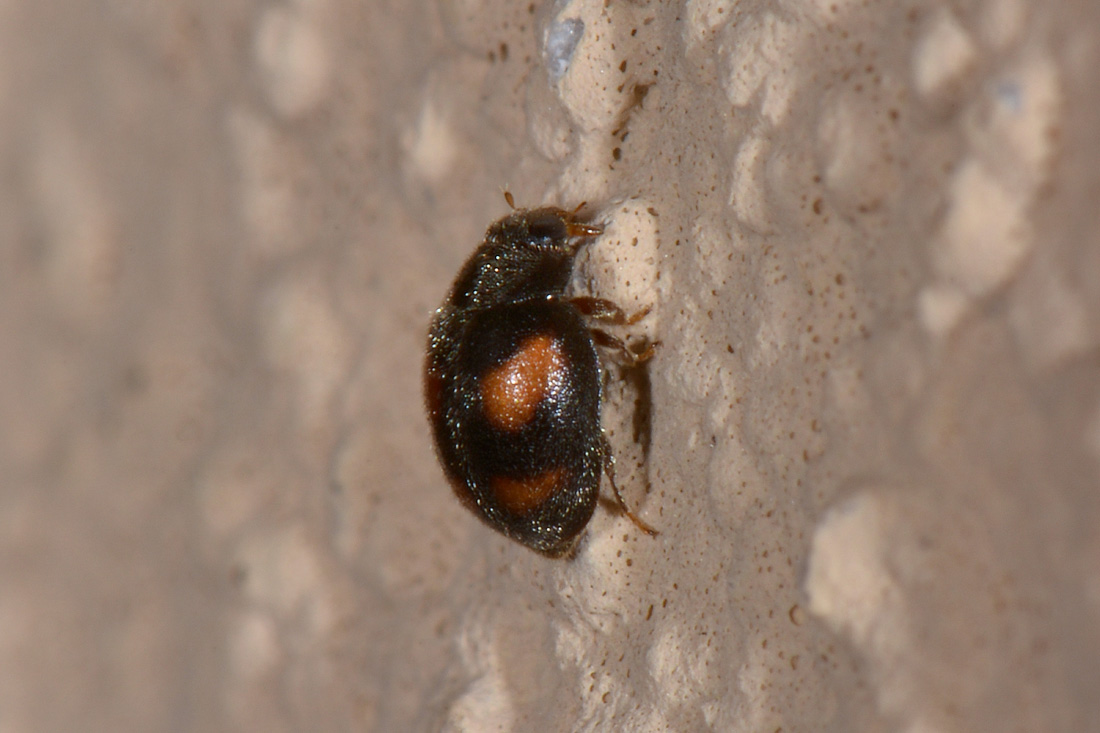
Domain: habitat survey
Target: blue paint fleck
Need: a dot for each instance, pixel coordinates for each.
(562, 38)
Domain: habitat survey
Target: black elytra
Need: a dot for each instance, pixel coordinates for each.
(513, 383)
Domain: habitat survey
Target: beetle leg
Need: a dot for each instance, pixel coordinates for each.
(627, 356)
(576, 229)
(609, 469)
(604, 311)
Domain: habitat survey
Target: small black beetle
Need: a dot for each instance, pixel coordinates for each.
(512, 383)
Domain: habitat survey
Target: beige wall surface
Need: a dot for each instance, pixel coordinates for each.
(869, 234)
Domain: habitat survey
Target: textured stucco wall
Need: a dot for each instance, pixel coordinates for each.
(870, 237)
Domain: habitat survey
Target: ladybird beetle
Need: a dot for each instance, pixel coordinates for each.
(512, 382)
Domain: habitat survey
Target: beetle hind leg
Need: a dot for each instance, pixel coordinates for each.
(609, 469)
(625, 354)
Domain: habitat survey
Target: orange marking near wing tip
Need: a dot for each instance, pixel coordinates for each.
(520, 496)
(511, 393)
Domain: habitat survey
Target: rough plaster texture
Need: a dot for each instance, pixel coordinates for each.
(869, 234)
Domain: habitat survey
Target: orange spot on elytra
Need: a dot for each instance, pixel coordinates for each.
(520, 496)
(511, 393)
